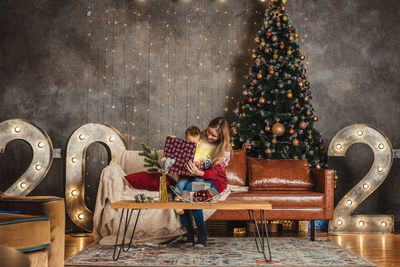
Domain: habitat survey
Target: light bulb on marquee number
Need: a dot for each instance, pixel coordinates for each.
(80, 216)
(74, 160)
(17, 129)
(111, 139)
(74, 192)
(22, 185)
(38, 167)
(365, 186)
(361, 223)
(82, 136)
(349, 202)
(380, 169)
(381, 146)
(339, 146)
(383, 224)
(339, 222)
(40, 145)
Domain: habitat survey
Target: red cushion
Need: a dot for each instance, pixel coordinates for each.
(147, 181)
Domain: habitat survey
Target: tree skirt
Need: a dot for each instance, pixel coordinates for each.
(224, 251)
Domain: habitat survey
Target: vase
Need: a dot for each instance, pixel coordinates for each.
(163, 188)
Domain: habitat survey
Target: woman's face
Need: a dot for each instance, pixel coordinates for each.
(212, 135)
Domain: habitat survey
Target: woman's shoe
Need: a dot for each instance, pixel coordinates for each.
(202, 237)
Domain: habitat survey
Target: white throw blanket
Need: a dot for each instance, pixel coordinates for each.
(153, 226)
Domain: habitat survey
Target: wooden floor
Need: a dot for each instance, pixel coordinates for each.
(381, 249)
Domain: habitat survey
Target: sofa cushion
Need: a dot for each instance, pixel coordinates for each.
(147, 181)
(24, 232)
(236, 171)
(279, 174)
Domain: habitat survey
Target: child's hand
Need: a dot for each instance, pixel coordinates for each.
(172, 136)
(193, 169)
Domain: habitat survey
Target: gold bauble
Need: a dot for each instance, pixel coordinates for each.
(302, 57)
(309, 136)
(296, 142)
(296, 65)
(289, 95)
(243, 107)
(274, 141)
(274, 38)
(315, 118)
(268, 151)
(267, 128)
(284, 18)
(261, 100)
(263, 43)
(265, 22)
(336, 177)
(318, 166)
(307, 83)
(259, 75)
(284, 2)
(275, 56)
(306, 98)
(303, 125)
(232, 144)
(278, 129)
(244, 114)
(234, 131)
(289, 52)
(253, 56)
(291, 38)
(244, 93)
(256, 39)
(296, 35)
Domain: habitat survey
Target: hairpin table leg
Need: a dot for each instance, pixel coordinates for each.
(260, 234)
(121, 246)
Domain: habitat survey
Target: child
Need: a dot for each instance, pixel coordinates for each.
(202, 158)
(217, 134)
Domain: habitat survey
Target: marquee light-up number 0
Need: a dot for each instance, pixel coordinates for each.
(42, 149)
(78, 143)
(343, 220)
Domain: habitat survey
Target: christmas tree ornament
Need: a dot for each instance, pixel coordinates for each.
(243, 107)
(315, 118)
(297, 105)
(276, 14)
(283, 8)
(289, 95)
(289, 52)
(256, 39)
(300, 84)
(278, 24)
(282, 46)
(284, 2)
(296, 35)
(261, 100)
(291, 38)
(278, 129)
(308, 112)
(291, 131)
(234, 131)
(318, 166)
(259, 75)
(258, 61)
(267, 128)
(307, 83)
(290, 30)
(296, 142)
(253, 56)
(303, 125)
(263, 44)
(284, 18)
(296, 64)
(302, 57)
(265, 22)
(309, 136)
(244, 114)
(249, 72)
(232, 144)
(308, 92)
(266, 50)
(268, 34)
(276, 56)
(250, 100)
(252, 83)
(271, 4)
(271, 71)
(274, 38)
(268, 151)
(274, 141)
(306, 98)
(244, 93)
(302, 75)
(247, 146)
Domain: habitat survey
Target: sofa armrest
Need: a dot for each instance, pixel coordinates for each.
(323, 182)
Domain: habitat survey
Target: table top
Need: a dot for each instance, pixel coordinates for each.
(221, 205)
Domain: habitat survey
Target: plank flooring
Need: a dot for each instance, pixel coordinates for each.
(381, 249)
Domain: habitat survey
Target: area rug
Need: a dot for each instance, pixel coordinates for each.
(225, 251)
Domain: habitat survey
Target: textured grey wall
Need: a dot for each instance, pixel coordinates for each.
(151, 68)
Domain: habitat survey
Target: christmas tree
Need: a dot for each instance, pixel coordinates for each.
(276, 120)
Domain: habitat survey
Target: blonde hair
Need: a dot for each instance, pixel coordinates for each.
(224, 137)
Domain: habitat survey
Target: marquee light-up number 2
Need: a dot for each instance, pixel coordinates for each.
(343, 221)
(77, 145)
(42, 149)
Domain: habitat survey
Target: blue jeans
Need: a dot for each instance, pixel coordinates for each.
(197, 214)
(184, 180)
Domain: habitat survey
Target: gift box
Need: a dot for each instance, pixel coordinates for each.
(182, 151)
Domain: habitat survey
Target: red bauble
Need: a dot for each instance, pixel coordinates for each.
(268, 34)
(291, 131)
(290, 30)
(302, 76)
(297, 105)
(250, 72)
(271, 3)
(271, 71)
(202, 195)
(308, 92)
(282, 46)
(250, 100)
(300, 84)
(251, 84)
(266, 50)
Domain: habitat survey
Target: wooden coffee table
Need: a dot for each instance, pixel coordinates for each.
(260, 232)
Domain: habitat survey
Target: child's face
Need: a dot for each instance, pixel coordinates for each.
(212, 135)
(195, 139)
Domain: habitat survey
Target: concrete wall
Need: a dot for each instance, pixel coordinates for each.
(151, 68)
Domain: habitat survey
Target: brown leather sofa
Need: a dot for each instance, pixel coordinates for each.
(38, 231)
(295, 191)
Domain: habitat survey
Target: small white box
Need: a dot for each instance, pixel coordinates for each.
(197, 186)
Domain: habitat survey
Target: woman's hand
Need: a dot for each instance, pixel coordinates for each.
(193, 169)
